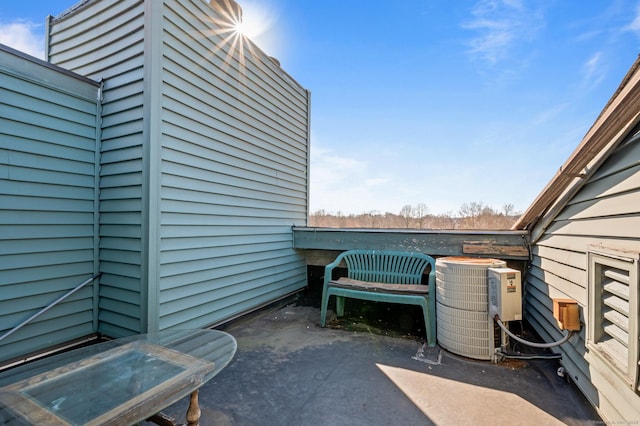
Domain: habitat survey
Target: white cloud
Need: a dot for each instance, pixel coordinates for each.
(500, 25)
(373, 182)
(593, 71)
(340, 182)
(635, 23)
(553, 112)
(24, 36)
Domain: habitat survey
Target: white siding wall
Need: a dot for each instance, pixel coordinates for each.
(234, 132)
(606, 211)
(105, 40)
(47, 211)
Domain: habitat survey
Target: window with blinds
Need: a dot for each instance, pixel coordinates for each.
(613, 310)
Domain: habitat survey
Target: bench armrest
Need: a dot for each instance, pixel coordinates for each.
(328, 269)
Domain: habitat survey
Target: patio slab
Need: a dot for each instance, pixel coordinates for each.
(289, 371)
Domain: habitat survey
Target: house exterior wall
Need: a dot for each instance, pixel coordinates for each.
(48, 216)
(204, 164)
(604, 213)
(233, 171)
(104, 40)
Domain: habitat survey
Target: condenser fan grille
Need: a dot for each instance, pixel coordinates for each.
(463, 324)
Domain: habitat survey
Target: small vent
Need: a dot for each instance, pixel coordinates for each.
(613, 328)
(614, 311)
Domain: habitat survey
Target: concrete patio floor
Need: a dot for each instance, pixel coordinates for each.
(289, 371)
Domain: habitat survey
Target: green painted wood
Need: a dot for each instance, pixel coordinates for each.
(431, 242)
(47, 209)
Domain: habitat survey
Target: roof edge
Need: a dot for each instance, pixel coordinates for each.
(616, 115)
(42, 63)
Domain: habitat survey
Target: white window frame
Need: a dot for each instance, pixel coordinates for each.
(600, 341)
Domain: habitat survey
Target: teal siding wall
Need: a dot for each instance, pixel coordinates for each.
(234, 147)
(179, 177)
(113, 51)
(47, 211)
(204, 164)
(605, 212)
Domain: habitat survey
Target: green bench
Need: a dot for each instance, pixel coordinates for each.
(383, 276)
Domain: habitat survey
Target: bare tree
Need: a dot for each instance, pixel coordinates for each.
(473, 215)
(447, 220)
(508, 210)
(406, 213)
(371, 217)
(471, 212)
(420, 212)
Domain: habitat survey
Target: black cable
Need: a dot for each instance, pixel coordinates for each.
(551, 356)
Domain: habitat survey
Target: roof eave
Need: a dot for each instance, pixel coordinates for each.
(618, 117)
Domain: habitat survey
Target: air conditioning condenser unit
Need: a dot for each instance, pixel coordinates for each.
(505, 294)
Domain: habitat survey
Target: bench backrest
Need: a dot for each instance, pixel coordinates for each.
(384, 266)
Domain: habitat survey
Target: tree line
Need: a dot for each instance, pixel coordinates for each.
(474, 215)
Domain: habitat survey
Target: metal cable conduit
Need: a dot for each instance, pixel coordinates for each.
(51, 305)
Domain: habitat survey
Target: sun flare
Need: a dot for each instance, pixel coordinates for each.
(241, 28)
(256, 20)
(242, 32)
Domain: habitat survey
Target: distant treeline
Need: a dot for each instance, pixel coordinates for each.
(473, 215)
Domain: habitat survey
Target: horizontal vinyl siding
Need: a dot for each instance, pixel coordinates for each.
(605, 212)
(233, 175)
(47, 211)
(105, 40)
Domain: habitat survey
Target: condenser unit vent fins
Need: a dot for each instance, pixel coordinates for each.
(463, 325)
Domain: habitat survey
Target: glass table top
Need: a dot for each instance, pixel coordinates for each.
(120, 381)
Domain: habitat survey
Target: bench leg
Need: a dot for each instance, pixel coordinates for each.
(429, 325)
(323, 315)
(193, 412)
(323, 307)
(340, 306)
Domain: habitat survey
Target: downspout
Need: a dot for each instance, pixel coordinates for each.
(96, 205)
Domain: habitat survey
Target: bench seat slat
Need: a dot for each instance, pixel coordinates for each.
(382, 287)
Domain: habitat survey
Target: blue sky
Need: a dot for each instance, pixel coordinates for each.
(430, 101)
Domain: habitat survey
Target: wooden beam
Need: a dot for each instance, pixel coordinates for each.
(495, 250)
(505, 244)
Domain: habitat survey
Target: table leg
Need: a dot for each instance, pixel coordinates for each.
(193, 412)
